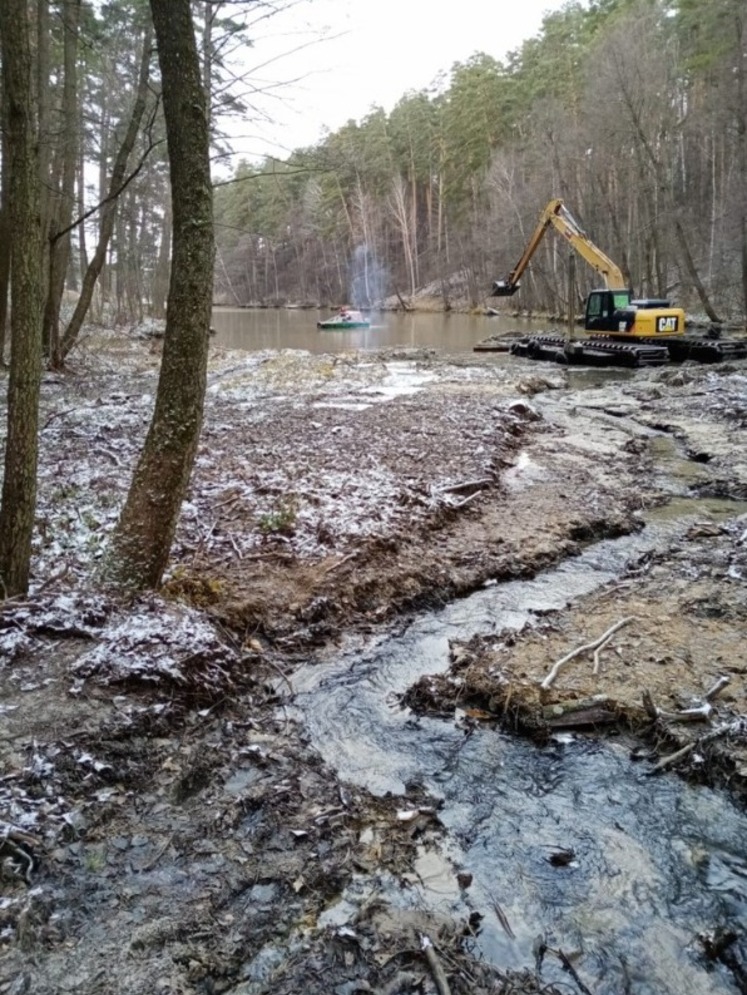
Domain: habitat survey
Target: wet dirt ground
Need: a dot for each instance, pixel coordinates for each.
(169, 828)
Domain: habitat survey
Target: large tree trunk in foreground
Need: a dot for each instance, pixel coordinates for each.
(4, 233)
(21, 449)
(141, 542)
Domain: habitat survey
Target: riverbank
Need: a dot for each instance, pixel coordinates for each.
(183, 834)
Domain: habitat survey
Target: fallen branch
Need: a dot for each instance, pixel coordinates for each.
(280, 672)
(697, 713)
(19, 848)
(339, 563)
(60, 575)
(502, 918)
(272, 555)
(717, 688)
(674, 758)
(622, 586)
(465, 500)
(466, 485)
(648, 703)
(16, 603)
(434, 964)
(597, 651)
(227, 502)
(587, 648)
(588, 711)
(150, 864)
(112, 456)
(560, 708)
(567, 966)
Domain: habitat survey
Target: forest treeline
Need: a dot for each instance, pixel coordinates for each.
(633, 111)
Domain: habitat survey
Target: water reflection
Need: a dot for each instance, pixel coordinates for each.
(256, 329)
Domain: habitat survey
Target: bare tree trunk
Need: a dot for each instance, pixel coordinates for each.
(59, 249)
(109, 209)
(414, 221)
(43, 98)
(402, 217)
(81, 179)
(135, 289)
(161, 277)
(210, 13)
(4, 230)
(741, 74)
(694, 275)
(104, 186)
(142, 539)
(45, 155)
(21, 448)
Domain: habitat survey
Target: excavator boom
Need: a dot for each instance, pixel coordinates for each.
(558, 215)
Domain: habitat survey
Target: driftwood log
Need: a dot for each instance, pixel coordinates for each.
(599, 710)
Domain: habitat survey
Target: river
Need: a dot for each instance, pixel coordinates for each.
(255, 329)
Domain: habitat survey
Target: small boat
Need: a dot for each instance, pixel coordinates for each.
(345, 318)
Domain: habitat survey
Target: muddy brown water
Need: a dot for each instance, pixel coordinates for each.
(657, 862)
(255, 330)
(277, 328)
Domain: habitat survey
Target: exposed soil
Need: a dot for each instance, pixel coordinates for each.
(168, 827)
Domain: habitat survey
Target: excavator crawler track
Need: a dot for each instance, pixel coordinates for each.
(703, 350)
(598, 351)
(590, 352)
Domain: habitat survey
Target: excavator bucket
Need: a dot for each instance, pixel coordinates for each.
(504, 288)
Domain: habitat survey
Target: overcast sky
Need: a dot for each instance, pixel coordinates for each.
(353, 54)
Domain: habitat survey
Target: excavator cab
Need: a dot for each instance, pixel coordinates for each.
(609, 311)
(616, 313)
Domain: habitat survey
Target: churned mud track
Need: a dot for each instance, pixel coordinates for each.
(376, 508)
(182, 835)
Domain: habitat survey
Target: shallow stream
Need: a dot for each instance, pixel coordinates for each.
(656, 861)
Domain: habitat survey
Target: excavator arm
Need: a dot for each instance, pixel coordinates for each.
(558, 215)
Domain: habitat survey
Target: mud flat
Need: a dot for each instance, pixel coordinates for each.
(172, 822)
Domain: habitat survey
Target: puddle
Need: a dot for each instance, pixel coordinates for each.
(672, 464)
(586, 378)
(708, 509)
(656, 861)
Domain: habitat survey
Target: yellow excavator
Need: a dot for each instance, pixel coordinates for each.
(613, 316)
